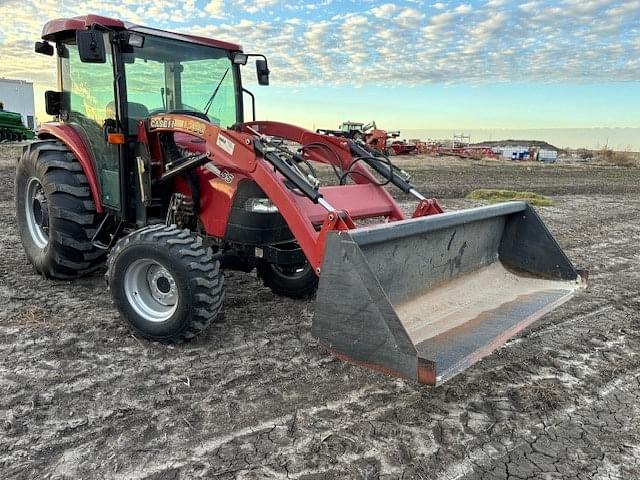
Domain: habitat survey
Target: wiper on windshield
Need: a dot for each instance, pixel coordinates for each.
(215, 92)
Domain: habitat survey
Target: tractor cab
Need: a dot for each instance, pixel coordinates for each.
(113, 75)
(349, 127)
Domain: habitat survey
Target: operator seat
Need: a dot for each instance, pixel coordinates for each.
(137, 112)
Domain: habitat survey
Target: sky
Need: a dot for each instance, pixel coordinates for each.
(493, 67)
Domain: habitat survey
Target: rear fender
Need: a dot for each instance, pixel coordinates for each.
(72, 139)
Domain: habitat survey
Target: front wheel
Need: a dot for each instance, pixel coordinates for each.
(289, 281)
(165, 283)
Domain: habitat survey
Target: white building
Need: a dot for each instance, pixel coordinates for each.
(520, 152)
(17, 96)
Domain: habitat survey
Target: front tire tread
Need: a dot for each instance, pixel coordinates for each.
(204, 280)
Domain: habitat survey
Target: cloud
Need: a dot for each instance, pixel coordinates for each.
(627, 8)
(259, 5)
(440, 21)
(530, 7)
(409, 18)
(215, 8)
(587, 7)
(482, 31)
(384, 10)
(391, 42)
(463, 9)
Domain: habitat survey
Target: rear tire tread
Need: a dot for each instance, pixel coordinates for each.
(72, 211)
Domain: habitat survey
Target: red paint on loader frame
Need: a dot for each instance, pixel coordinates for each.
(309, 222)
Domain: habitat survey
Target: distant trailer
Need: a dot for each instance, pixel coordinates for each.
(514, 153)
(547, 156)
(17, 96)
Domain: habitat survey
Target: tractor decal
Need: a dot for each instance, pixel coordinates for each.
(188, 125)
(225, 144)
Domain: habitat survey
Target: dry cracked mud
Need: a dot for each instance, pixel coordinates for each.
(256, 397)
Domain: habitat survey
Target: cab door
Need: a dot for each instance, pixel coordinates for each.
(90, 103)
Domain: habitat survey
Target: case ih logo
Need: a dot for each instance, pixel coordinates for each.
(177, 123)
(161, 122)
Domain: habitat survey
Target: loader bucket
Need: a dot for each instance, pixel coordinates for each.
(426, 298)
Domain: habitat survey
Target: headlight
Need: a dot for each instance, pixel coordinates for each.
(260, 205)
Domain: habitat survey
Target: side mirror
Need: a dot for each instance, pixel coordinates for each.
(44, 48)
(262, 70)
(53, 102)
(91, 46)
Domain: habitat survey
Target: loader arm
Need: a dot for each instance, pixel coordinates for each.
(319, 147)
(310, 216)
(342, 152)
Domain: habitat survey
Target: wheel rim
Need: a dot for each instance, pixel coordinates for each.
(37, 213)
(151, 290)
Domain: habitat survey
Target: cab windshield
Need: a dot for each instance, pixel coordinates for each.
(172, 76)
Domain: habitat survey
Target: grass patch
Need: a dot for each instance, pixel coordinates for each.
(621, 159)
(506, 195)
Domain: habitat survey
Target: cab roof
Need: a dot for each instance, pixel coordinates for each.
(60, 27)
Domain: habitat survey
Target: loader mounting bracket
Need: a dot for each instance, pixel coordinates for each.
(429, 206)
(334, 222)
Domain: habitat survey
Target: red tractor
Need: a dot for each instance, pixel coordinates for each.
(152, 168)
(369, 134)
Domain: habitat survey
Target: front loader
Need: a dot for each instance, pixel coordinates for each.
(152, 169)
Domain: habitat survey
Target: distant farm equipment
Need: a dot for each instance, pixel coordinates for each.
(12, 128)
(401, 147)
(452, 149)
(381, 140)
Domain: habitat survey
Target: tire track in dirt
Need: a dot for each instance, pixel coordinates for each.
(255, 397)
(544, 453)
(288, 450)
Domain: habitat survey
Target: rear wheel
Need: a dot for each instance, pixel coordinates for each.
(55, 212)
(289, 281)
(165, 283)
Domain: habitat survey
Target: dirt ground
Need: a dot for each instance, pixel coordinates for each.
(256, 396)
